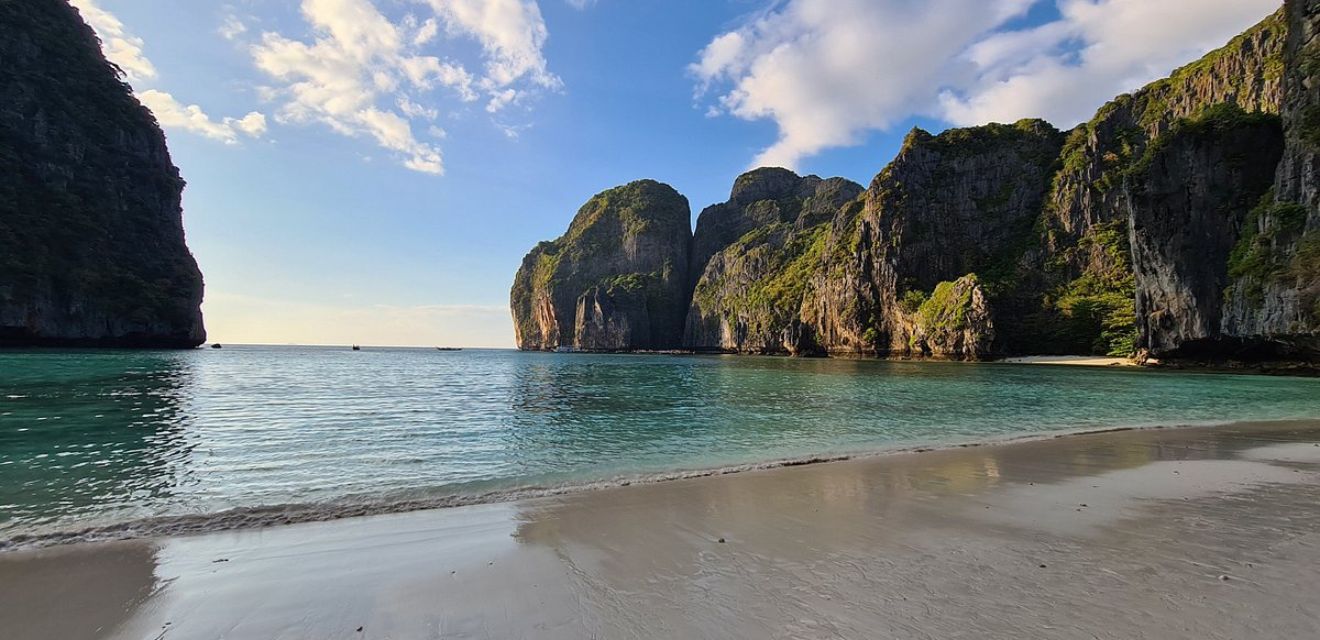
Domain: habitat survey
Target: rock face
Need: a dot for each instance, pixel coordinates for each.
(1083, 300)
(955, 322)
(616, 281)
(1274, 302)
(1183, 220)
(752, 257)
(92, 248)
(962, 203)
(766, 197)
(1187, 200)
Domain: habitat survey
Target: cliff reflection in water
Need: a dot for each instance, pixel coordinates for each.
(106, 431)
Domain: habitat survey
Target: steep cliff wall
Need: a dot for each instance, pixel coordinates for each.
(1084, 296)
(963, 202)
(755, 254)
(1273, 304)
(1188, 199)
(92, 246)
(616, 281)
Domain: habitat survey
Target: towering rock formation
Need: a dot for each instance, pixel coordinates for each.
(91, 236)
(1188, 199)
(616, 281)
(752, 257)
(962, 203)
(1085, 302)
(1153, 227)
(1273, 305)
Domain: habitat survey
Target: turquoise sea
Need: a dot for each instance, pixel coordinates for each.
(139, 443)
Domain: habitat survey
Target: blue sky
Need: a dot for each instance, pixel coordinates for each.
(373, 171)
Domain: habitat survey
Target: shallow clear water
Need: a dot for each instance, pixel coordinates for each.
(100, 437)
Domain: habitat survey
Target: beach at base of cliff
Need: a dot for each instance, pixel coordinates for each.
(1205, 532)
(1077, 361)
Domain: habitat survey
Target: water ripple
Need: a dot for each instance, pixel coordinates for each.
(102, 439)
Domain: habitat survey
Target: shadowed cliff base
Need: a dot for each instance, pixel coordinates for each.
(1182, 221)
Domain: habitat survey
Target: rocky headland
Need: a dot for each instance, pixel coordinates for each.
(1182, 222)
(92, 248)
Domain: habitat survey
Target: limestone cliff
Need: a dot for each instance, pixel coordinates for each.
(1183, 220)
(1188, 199)
(754, 254)
(92, 245)
(963, 202)
(955, 322)
(1084, 299)
(616, 281)
(1273, 304)
(947, 208)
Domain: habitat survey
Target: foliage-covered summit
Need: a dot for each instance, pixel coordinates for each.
(615, 281)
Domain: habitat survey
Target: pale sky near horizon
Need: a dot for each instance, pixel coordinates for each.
(373, 171)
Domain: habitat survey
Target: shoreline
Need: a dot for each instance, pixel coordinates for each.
(255, 518)
(1181, 533)
(1073, 361)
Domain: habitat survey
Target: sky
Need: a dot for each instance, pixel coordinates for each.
(373, 171)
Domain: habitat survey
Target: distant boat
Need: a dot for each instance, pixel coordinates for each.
(357, 348)
(216, 346)
(448, 349)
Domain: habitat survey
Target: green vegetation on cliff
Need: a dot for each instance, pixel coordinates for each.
(625, 255)
(1095, 313)
(1256, 259)
(987, 138)
(947, 307)
(785, 262)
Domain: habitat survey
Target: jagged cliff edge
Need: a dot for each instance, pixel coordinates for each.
(1182, 221)
(92, 249)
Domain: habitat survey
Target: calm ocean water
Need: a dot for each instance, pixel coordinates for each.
(169, 439)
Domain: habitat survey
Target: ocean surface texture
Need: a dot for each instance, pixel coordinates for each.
(139, 443)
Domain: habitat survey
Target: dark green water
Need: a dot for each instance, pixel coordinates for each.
(100, 438)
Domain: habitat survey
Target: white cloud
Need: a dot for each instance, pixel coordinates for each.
(364, 75)
(176, 116)
(1123, 45)
(232, 27)
(828, 71)
(512, 34)
(415, 110)
(120, 47)
(253, 124)
(581, 4)
(426, 32)
(126, 50)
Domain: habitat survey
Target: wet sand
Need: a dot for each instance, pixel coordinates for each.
(1188, 533)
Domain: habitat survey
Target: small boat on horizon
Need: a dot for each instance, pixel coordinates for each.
(357, 348)
(448, 349)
